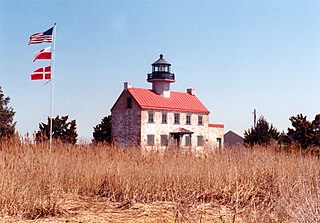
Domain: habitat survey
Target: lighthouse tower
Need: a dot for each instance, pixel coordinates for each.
(161, 77)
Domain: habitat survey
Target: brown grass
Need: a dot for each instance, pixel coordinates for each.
(238, 184)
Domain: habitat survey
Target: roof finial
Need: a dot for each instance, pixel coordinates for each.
(161, 56)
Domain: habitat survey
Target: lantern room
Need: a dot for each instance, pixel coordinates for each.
(161, 77)
(161, 71)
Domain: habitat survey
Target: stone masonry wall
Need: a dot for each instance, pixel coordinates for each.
(126, 122)
(157, 128)
(130, 126)
(216, 133)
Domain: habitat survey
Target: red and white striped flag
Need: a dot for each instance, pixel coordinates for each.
(43, 73)
(44, 54)
(41, 37)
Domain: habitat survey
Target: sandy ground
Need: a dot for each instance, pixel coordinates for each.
(82, 209)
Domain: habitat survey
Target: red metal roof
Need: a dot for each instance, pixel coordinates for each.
(216, 125)
(178, 101)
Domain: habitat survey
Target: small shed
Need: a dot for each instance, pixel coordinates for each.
(231, 139)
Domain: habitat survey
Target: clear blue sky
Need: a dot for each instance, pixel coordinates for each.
(238, 55)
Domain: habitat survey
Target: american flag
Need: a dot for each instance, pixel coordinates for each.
(41, 37)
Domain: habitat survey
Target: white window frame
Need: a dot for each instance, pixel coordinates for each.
(200, 120)
(188, 119)
(164, 118)
(150, 117)
(150, 139)
(176, 118)
(188, 143)
(164, 142)
(200, 140)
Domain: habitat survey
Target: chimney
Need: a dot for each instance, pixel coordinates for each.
(191, 91)
(127, 85)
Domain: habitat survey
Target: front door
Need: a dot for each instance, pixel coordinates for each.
(176, 139)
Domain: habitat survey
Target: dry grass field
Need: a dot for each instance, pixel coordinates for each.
(102, 184)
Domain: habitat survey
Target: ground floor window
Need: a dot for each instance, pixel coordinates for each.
(150, 140)
(164, 140)
(199, 140)
(188, 141)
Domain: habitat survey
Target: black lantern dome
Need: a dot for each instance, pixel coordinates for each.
(161, 71)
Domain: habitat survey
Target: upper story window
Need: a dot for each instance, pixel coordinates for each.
(200, 120)
(129, 102)
(188, 119)
(151, 117)
(176, 118)
(164, 118)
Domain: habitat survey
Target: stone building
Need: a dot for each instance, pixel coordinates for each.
(159, 117)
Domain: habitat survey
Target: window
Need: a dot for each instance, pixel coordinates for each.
(188, 140)
(188, 119)
(219, 142)
(164, 118)
(176, 118)
(200, 121)
(129, 102)
(199, 140)
(150, 140)
(164, 140)
(150, 117)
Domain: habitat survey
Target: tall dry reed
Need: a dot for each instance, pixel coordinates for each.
(259, 184)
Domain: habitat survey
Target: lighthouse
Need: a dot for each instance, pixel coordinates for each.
(161, 118)
(161, 77)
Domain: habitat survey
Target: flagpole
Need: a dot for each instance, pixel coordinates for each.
(52, 81)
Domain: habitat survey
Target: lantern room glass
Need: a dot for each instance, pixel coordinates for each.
(161, 68)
